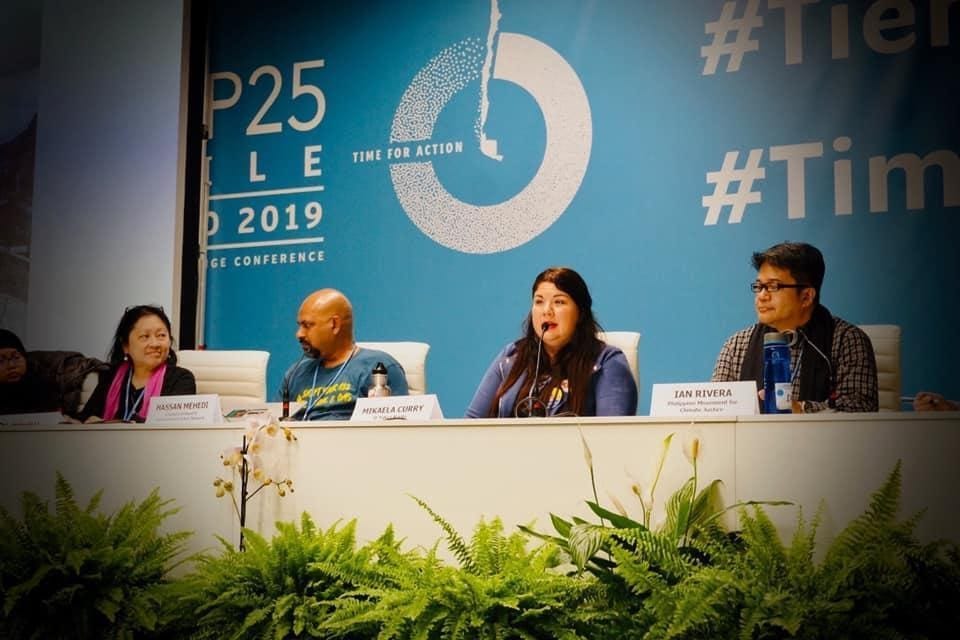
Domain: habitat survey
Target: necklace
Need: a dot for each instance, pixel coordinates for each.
(313, 386)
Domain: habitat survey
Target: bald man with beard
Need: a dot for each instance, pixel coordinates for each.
(334, 371)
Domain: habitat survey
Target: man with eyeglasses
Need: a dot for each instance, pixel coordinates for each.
(832, 361)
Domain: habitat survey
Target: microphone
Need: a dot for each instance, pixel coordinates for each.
(529, 400)
(285, 390)
(833, 385)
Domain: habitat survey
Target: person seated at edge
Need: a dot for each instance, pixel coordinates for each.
(336, 370)
(832, 360)
(142, 365)
(21, 389)
(559, 367)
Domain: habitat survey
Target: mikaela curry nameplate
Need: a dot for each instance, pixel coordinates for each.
(693, 399)
(201, 410)
(424, 407)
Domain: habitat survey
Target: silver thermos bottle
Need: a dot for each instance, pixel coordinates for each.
(378, 379)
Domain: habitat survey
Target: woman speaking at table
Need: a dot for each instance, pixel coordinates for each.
(559, 367)
(142, 365)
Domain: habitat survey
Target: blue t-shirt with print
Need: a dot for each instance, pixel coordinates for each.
(330, 393)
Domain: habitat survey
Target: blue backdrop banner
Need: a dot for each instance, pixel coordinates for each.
(430, 158)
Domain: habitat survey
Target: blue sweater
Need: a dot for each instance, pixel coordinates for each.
(613, 391)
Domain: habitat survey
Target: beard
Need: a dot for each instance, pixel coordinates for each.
(310, 351)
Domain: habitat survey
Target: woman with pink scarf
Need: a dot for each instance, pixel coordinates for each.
(142, 365)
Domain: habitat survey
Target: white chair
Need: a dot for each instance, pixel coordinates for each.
(412, 356)
(886, 348)
(629, 343)
(238, 377)
(89, 385)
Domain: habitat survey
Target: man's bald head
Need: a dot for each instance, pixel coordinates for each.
(329, 301)
(325, 326)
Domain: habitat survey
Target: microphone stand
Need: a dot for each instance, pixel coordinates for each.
(833, 382)
(810, 342)
(285, 391)
(536, 374)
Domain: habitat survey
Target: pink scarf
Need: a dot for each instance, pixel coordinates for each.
(152, 388)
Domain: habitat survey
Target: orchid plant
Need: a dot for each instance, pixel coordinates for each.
(254, 461)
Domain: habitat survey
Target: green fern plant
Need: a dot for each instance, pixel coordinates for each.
(637, 562)
(500, 590)
(74, 572)
(691, 578)
(281, 588)
(875, 581)
(691, 533)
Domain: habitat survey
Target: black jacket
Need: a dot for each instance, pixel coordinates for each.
(177, 381)
(53, 382)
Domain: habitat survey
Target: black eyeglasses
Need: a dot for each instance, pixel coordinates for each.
(143, 306)
(773, 286)
(11, 359)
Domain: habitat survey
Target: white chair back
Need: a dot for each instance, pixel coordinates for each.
(89, 385)
(629, 343)
(886, 349)
(238, 377)
(412, 356)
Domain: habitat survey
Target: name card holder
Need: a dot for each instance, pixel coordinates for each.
(705, 399)
(200, 410)
(424, 407)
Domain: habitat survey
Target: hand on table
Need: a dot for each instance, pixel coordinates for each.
(929, 401)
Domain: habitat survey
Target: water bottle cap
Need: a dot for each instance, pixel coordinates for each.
(380, 369)
(774, 337)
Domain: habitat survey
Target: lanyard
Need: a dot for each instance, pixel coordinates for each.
(313, 386)
(129, 411)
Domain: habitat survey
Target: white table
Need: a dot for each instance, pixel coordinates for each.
(519, 469)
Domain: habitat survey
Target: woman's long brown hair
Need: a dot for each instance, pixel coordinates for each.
(575, 361)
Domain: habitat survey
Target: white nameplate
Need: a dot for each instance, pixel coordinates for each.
(693, 399)
(425, 407)
(50, 417)
(199, 410)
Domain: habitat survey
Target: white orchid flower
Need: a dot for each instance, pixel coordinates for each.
(231, 456)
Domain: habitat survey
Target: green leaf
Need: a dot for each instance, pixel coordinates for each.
(284, 605)
(706, 503)
(75, 559)
(108, 608)
(455, 542)
(678, 510)
(252, 621)
(14, 594)
(585, 540)
(561, 542)
(562, 526)
(617, 520)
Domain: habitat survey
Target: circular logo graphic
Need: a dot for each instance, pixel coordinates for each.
(554, 85)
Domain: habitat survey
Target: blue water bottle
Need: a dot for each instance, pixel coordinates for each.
(776, 374)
